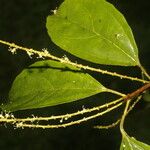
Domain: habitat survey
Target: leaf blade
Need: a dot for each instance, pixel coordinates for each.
(83, 29)
(49, 83)
(130, 143)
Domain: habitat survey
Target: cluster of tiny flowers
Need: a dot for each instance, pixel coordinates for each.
(54, 11)
(5, 115)
(64, 59)
(12, 50)
(40, 56)
(45, 51)
(19, 125)
(30, 54)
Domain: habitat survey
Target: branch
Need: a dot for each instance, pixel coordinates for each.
(45, 54)
(108, 126)
(137, 92)
(22, 125)
(10, 118)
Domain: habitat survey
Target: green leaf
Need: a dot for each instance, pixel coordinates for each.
(93, 30)
(49, 83)
(130, 143)
(146, 96)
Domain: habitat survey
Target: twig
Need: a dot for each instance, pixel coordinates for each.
(46, 54)
(137, 92)
(65, 117)
(21, 124)
(108, 126)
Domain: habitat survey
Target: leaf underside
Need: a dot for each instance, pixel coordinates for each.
(130, 143)
(93, 30)
(49, 83)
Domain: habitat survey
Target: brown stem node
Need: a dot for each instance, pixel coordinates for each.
(137, 92)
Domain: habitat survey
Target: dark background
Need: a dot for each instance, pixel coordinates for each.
(23, 22)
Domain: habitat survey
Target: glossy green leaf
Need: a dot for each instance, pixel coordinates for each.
(130, 143)
(93, 30)
(49, 83)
